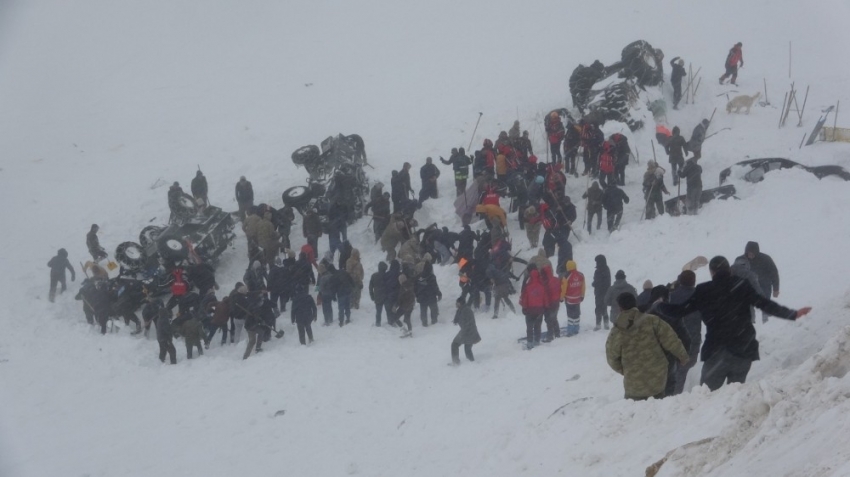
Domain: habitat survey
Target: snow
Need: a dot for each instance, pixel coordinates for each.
(102, 104)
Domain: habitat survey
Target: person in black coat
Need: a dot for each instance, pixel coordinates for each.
(429, 174)
(612, 201)
(93, 244)
(344, 286)
(302, 274)
(661, 294)
(676, 79)
(380, 214)
(765, 269)
(199, 187)
(377, 292)
(279, 284)
(601, 283)
(460, 163)
(466, 243)
(244, 196)
(468, 334)
(58, 265)
(428, 293)
(100, 301)
(692, 322)
(730, 339)
(202, 276)
(304, 312)
(391, 287)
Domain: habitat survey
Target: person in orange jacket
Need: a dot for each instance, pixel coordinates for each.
(491, 211)
(572, 294)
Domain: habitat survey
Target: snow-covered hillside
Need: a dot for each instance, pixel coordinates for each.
(104, 103)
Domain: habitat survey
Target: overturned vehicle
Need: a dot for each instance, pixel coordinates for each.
(640, 66)
(197, 235)
(336, 178)
(753, 170)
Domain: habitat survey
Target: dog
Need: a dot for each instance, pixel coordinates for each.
(742, 101)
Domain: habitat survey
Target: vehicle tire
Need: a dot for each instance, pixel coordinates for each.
(130, 255)
(304, 155)
(185, 207)
(172, 248)
(296, 197)
(149, 234)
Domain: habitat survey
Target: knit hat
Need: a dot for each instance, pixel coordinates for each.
(687, 278)
(242, 289)
(256, 265)
(647, 285)
(571, 265)
(290, 253)
(620, 274)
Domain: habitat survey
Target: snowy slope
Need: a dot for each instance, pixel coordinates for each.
(104, 103)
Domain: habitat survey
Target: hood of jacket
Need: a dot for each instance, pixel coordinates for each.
(571, 265)
(601, 261)
(752, 247)
(625, 320)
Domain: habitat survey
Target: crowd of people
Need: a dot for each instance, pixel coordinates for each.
(655, 336)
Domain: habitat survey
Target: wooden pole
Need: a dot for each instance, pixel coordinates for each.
(835, 121)
(782, 111)
(696, 88)
(802, 140)
(766, 101)
(800, 112)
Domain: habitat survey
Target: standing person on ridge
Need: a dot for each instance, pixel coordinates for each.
(733, 59)
(676, 76)
(244, 195)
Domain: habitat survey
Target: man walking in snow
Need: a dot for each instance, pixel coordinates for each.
(765, 269)
(730, 338)
(619, 287)
(58, 265)
(468, 334)
(636, 349)
(93, 243)
(612, 201)
(677, 149)
(733, 59)
(697, 138)
(199, 187)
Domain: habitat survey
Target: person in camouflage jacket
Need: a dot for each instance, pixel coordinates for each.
(635, 348)
(355, 270)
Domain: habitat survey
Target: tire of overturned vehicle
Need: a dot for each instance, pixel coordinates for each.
(305, 154)
(185, 206)
(296, 196)
(130, 255)
(172, 248)
(149, 234)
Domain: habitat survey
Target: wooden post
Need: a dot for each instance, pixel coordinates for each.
(766, 101)
(696, 88)
(835, 121)
(782, 111)
(802, 140)
(800, 111)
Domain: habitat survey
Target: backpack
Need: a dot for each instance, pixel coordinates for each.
(179, 287)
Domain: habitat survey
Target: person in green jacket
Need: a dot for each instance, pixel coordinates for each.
(635, 349)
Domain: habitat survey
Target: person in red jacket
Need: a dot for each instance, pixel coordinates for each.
(489, 157)
(606, 165)
(490, 196)
(553, 286)
(534, 301)
(572, 293)
(733, 59)
(555, 131)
